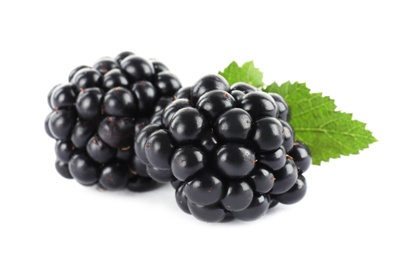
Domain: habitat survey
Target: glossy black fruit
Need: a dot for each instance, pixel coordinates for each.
(204, 189)
(97, 117)
(211, 213)
(137, 68)
(206, 84)
(119, 102)
(158, 66)
(125, 153)
(159, 175)
(235, 161)
(273, 160)
(214, 103)
(47, 126)
(187, 125)
(170, 111)
(116, 132)
(181, 199)
(262, 180)
(64, 150)
(121, 56)
(89, 103)
(115, 78)
(282, 107)
(136, 167)
(87, 78)
(75, 70)
(259, 105)
(84, 170)
(257, 208)
(223, 149)
(114, 176)
(167, 83)
(99, 151)
(238, 95)
(301, 155)
(159, 149)
(238, 197)
(61, 123)
(285, 178)
(140, 143)
(187, 161)
(233, 125)
(63, 96)
(82, 132)
(268, 134)
(140, 184)
(146, 95)
(62, 169)
(295, 194)
(243, 87)
(288, 136)
(183, 93)
(105, 64)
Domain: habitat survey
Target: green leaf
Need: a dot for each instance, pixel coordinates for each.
(328, 133)
(246, 73)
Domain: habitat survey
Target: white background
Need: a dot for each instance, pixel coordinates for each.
(348, 50)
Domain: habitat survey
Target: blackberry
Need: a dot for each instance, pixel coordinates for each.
(99, 113)
(229, 152)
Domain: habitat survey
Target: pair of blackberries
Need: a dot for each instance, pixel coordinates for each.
(229, 151)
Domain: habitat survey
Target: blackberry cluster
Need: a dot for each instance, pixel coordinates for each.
(96, 116)
(228, 151)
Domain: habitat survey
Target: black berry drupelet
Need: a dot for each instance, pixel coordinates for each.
(228, 151)
(99, 113)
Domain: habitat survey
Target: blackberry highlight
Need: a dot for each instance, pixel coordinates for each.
(228, 151)
(96, 116)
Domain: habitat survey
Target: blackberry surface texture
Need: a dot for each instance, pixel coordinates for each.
(228, 151)
(97, 115)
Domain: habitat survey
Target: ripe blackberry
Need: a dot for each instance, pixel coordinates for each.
(228, 151)
(97, 115)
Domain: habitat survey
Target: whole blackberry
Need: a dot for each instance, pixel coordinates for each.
(96, 116)
(224, 149)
